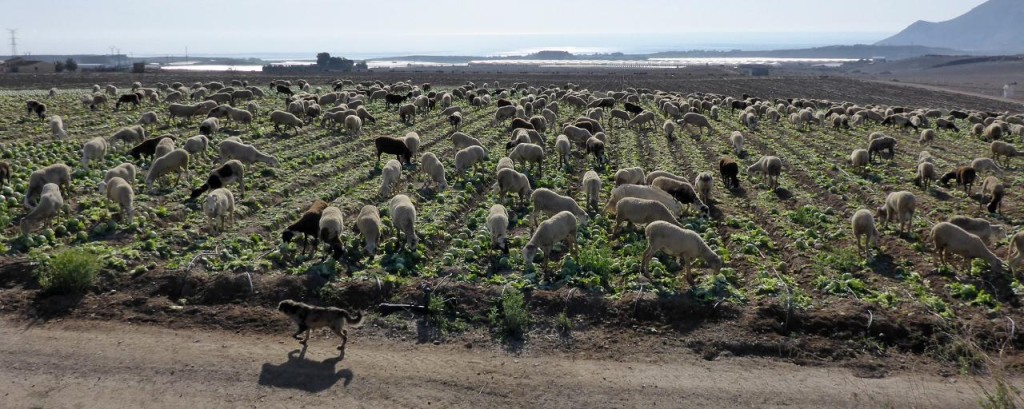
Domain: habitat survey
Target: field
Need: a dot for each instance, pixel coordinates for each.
(794, 286)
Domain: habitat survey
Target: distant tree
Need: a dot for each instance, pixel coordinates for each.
(322, 59)
(58, 66)
(71, 65)
(341, 63)
(361, 66)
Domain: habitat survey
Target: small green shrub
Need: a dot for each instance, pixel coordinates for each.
(70, 272)
(510, 317)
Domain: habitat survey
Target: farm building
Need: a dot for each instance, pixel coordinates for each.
(19, 64)
(755, 70)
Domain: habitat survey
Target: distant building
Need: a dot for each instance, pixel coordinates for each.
(755, 70)
(1009, 90)
(19, 64)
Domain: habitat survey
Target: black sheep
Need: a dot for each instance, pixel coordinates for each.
(632, 108)
(308, 225)
(519, 123)
(730, 171)
(147, 147)
(393, 146)
(134, 99)
(395, 99)
(964, 175)
(281, 89)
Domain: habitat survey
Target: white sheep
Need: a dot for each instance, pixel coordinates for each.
(1000, 148)
(353, 125)
(736, 140)
(412, 141)
(279, 118)
(563, 146)
(561, 226)
(219, 208)
(390, 176)
(94, 150)
(989, 233)
(126, 171)
(505, 163)
(403, 219)
(131, 134)
(950, 238)
(247, 154)
(57, 127)
(329, 230)
(899, 206)
(176, 160)
(197, 145)
(643, 192)
(547, 202)
(863, 224)
(670, 129)
(634, 210)
(469, 157)
(463, 141)
(927, 137)
(119, 191)
(986, 165)
(632, 176)
(925, 175)
(509, 180)
(770, 167)
(527, 153)
(57, 173)
(434, 170)
(703, 183)
(369, 225)
(147, 118)
(163, 147)
(209, 126)
(661, 173)
(676, 241)
(592, 188)
(48, 208)
(1016, 254)
(859, 159)
(497, 226)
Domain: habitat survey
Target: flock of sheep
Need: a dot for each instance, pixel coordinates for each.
(656, 199)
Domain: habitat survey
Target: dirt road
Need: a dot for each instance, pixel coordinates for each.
(80, 364)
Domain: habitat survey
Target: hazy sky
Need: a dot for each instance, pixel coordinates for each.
(378, 27)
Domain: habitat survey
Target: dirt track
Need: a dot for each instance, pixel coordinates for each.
(97, 364)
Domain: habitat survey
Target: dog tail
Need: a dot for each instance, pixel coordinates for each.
(354, 320)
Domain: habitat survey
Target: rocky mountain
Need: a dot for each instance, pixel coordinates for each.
(994, 27)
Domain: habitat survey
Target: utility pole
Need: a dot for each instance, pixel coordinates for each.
(14, 41)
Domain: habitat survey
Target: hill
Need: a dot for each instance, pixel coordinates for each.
(993, 27)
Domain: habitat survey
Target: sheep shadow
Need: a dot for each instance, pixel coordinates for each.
(783, 193)
(304, 374)
(739, 192)
(940, 195)
(882, 264)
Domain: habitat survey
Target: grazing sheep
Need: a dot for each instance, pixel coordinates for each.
(632, 176)
(165, 146)
(770, 167)
(279, 118)
(50, 204)
(859, 159)
(943, 123)
(698, 120)
(124, 171)
(368, 224)
(880, 144)
(864, 225)
(57, 127)
(119, 191)
(681, 191)
(308, 225)
(407, 114)
(185, 112)
(247, 154)
(561, 226)
(469, 157)
(736, 140)
(925, 175)
(390, 176)
(965, 177)
(412, 141)
(676, 241)
(645, 192)
(393, 146)
(231, 171)
(147, 118)
(329, 229)
(176, 160)
(547, 202)
(899, 206)
(1000, 148)
(730, 171)
(527, 153)
(131, 134)
(703, 183)
(927, 137)
(94, 150)
(992, 132)
(462, 141)
(497, 226)
(509, 180)
(592, 188)
(434, 170)
(990, 233)
(993, 188)
(634, 210)
(57, 173)
(197, 145)
(1016, 254)
(219, 208)
(950, 238)
(455, 120)
(986, 165)
(670, 128)
(403, 219)
(563, 146)
(595, 146)
(232, 114)
(505, 163)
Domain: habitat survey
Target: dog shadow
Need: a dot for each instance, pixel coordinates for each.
(304, 374)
